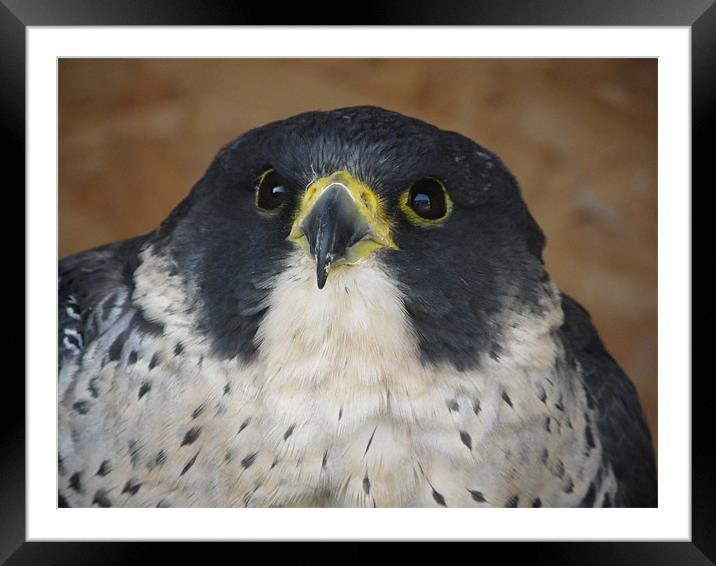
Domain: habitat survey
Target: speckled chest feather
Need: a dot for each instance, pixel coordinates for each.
(335, 409)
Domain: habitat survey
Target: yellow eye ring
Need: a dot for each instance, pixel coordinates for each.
(271, 193)
(426, 203)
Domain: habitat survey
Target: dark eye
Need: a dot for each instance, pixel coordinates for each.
(427, 199)
(272, 191)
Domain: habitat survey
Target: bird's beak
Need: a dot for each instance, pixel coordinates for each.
(340, 221)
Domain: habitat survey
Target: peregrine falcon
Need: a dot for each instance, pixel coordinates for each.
(349, 309)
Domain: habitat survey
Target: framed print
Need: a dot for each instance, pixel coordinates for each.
(591, 109)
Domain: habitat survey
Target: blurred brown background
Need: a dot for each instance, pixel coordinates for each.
(580, 135)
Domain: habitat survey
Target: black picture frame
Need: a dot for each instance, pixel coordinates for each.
(16, 15)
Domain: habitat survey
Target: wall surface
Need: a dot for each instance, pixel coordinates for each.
(579, 135)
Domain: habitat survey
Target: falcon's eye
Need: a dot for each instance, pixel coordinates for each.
(272, 191)
(426, 203)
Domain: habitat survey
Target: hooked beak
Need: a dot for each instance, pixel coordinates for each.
(340, 221)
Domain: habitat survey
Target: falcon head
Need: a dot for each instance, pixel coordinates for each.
(360, 194)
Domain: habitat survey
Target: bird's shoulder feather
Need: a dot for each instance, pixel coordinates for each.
(89, 283)
(624, 434)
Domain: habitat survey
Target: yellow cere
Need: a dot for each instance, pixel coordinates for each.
(369, 205)
(419, 220)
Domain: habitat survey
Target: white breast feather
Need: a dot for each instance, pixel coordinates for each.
(337, 408)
